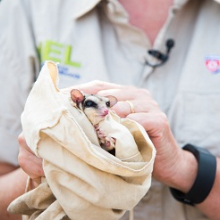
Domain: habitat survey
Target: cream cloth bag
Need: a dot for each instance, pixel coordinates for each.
(82, 181)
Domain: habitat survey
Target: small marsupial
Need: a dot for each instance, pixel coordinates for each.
(96, 108)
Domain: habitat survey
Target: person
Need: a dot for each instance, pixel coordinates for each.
(128, 46)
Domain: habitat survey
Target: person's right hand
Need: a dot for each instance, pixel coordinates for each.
(28, 161)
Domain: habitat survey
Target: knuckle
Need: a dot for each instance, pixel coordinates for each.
(98, 83)
(21, 160)
(130, 87)
(21, 140)
(154, 103)
(163, 119)
(163, 116)
(145, 92)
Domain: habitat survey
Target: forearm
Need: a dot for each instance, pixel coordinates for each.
(184, 176)
(12, 185)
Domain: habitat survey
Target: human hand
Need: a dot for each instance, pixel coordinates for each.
(172, 164)
(29, 162)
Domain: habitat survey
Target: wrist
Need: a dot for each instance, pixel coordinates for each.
(205, 177)
(185, 175)
(179, 170)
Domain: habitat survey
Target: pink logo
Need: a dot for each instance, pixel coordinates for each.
(213, 63)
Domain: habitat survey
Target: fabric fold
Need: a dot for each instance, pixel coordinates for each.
(82, 180)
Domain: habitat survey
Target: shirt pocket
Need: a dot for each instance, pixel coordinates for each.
(195, 118)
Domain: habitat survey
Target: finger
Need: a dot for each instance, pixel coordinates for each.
(126, 93)
(28, 161)
(96, 86)
(145, 119)
(22, 142)
(122, 109)
(93, 87)
(153, 122)
(31, 164)
(125, 108)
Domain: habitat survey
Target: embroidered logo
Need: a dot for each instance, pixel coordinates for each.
(213, 63)
(62, 54)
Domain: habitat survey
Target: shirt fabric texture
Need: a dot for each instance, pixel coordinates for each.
(93, 39)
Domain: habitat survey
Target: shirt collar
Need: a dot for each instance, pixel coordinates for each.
(84, 6)
(179, 3)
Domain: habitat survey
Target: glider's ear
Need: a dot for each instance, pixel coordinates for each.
(113, 100)
(76, 96)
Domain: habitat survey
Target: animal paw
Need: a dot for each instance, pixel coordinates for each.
(106, 142)
(109, 143)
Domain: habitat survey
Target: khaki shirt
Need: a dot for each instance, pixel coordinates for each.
(93, 39)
